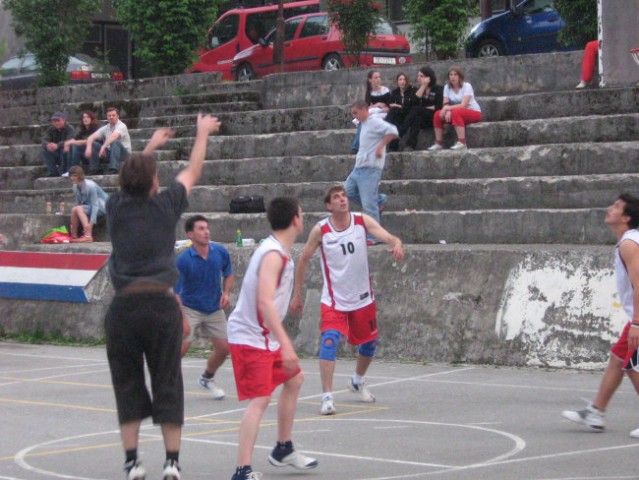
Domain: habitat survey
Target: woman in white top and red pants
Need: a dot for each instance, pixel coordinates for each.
(460, 108)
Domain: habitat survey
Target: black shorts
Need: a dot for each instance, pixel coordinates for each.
(140, 326)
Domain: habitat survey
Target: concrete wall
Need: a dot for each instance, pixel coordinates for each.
(513, 305)
(619, 22)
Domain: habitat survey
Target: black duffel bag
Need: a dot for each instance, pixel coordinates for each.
(252, 204)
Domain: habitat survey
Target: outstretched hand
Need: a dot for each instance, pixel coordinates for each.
(208, 124)
(161, 136)
(397, 251)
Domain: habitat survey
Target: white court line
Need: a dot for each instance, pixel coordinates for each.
(19, 457)
(319, 395)
(9, 478)
(513, 461)
(324, 454)
(520, 444)
(510, 385)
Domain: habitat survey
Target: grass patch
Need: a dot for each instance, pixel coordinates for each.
(40, 337)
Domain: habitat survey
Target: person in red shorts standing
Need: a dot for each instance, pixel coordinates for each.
(623, 219)
(347, 305)
(262, 354)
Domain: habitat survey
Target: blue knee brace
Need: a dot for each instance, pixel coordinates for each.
(368, 349)
(328, 345)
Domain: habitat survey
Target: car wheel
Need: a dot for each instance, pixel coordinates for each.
(332, 62)
(245, 73)
(490, 48)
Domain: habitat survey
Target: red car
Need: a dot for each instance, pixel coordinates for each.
(311, 43)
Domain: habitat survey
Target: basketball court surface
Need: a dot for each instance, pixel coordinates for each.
(430, 421)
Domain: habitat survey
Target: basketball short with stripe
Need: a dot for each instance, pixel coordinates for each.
(358, 326)
(258, 372)
(622, 352)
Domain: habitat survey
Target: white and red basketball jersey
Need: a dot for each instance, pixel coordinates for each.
(245, 325)
(624, 285)
(347, 283)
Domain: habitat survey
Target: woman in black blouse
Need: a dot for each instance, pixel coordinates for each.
(428, 98)
(88, 125)
(400, 102)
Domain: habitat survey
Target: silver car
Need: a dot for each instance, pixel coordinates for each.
(23, 71)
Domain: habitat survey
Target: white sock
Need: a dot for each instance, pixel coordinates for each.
(357, 380)
(327, 395)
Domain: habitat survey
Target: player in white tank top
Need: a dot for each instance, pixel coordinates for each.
(347, 284)
(262, 353)
(246, 326)
(624, 285)
(623, 219)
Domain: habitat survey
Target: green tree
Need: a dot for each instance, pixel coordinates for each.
(356, 20)
(166, 33)
(54, 30)
(440, 24)
(581, 21)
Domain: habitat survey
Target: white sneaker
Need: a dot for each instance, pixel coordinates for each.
(171, 470)
(590, 417)
(435, 147)
(294, 459)
(459, 146)
(328, 407)
(134, 470)
(635, 433)
(209, 385)
(581, 85)
(364, 393)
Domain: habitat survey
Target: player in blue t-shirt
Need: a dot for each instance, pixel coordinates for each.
(206, 280)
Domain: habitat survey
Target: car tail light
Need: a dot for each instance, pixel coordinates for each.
(80, 75)
(117, 76)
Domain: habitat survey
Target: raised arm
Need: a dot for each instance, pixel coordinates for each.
(314, 238)
(206, 125)
(375, 229)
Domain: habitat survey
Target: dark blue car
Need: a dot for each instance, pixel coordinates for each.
(530, 27)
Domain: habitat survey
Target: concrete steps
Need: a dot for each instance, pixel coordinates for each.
(451, 194)
(536, 160)
(499, 226)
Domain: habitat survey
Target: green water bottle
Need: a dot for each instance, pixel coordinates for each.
(238, 238)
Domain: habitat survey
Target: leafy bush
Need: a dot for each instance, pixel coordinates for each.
(440, 24)
(166, 33)
(581, 21)
(54, 30)
(356, 20)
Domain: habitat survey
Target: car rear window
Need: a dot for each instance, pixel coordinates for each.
(384, 27)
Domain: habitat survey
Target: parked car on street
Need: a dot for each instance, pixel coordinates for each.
(23, 71)
(531, 26)
(238, 29)
(312, 43)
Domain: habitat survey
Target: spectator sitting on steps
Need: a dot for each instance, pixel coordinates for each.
(111, 142)
(91, 202)
(76, 146)
(53, 144)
